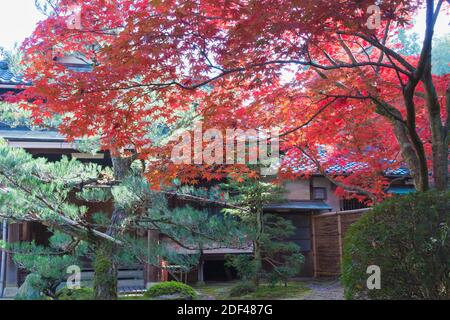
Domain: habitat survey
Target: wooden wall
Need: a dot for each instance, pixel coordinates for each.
(328, 233)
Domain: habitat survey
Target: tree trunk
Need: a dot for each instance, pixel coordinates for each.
(105, 272)
(419, 176)
(439, 132)
(412, 151)
(106, 266)
(257, 249)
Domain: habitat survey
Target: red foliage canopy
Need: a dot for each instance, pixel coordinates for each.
(313, 69)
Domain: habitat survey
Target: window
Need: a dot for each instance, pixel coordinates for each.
(319, 193)
(352, 204)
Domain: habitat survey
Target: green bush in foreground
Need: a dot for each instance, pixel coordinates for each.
(171, 288)
(75, 294)
(242, 289)
(409, 239)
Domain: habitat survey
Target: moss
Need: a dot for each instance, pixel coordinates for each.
(294, 290)
(242, 289)
(75, 294)
(105, 278)
(171, 288)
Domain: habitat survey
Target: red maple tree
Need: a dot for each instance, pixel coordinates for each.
(335, 86)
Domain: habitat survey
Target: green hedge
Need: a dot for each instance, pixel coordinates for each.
(408, 237)
(171, 288)
(75, 294)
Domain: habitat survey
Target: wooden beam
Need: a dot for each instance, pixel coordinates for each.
(342, 212)
(339, 226)
(313, 237)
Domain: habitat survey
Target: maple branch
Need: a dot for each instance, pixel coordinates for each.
(425, 55)
(364, 50)
(329, 58)
(402, 85)
(348, 51)
(315, 115)
(385, 50)
(383, 42)
(388, 110)
(226, 72)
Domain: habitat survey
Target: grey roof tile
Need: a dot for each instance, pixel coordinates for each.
(8, 78)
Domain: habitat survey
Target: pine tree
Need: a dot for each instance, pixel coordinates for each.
(47, 265)
(42, 191)
(274, 257)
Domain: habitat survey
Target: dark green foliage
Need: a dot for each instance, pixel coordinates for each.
(274, 258)
(283, 257)
(243, 264)
(47, 265)
(242, 289)
(409, 239)
(192, 228)
(14, 58)
(171, 288)
(42, 191)
(75, 294)
(31, 289)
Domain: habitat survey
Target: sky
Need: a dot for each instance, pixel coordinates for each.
(19, 17)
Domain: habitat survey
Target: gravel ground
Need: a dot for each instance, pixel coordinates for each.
(329, 290)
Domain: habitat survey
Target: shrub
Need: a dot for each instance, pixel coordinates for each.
(31, 289)
(171, 288)
(408, 238)
(243, 264)
(75, 294)
(242, 289)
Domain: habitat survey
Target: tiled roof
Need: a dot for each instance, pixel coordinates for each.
(8, 78)
(25, 134)
(346, 168)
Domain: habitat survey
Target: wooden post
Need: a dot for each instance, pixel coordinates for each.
(12, 273)
(151, 273)
(200, 274)
(339, 225)
(313, 236)
(3, 257)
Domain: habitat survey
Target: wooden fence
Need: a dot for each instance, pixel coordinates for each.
(328, 233)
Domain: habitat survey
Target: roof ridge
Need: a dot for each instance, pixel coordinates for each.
(7, 77)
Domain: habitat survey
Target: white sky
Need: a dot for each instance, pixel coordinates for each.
(17, 21)
(19, 17)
